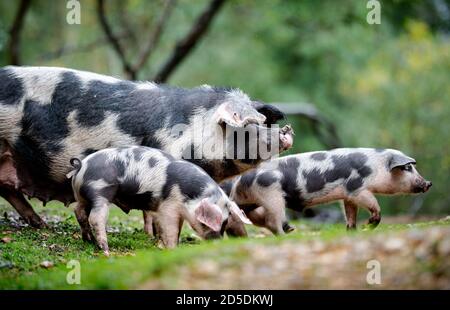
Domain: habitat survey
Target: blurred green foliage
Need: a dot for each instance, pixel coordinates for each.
(382, 85)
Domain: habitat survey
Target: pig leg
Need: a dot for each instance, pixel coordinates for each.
(157, 230)
(97, 220)
(10, 181)
(148, 223)
(257, 216)
(18, 201)
(351, 212)
(168, 223)
(82, 216)
(367, 200)
(180, 226)
(274, 207)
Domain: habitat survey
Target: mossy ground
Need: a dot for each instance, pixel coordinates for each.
(137, 262)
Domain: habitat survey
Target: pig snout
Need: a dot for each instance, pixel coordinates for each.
(427, 186)
(422, 186)
(286, 138)
(211, 235)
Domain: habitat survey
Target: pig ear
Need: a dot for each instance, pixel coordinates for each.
(238, 114)
(272, 113)
(239, 213)
(398, 160)
(209, 214)
(226, 114)
(227, 186)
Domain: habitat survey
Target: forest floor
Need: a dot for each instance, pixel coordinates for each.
(393, 256)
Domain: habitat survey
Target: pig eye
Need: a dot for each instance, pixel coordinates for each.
(407, 167)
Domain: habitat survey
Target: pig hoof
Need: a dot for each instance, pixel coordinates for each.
(160, 245)
(150, 234)
(87, 238)
(351, 227)
(291, 229)
(288, 228)
(36, 222)
(373, 222)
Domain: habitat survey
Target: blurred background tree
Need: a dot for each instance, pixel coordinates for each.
(381, 85)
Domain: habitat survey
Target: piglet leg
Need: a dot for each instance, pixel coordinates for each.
(274, 209)
(168, 224)
(97, 219)
(18, 201)
(148, 223)
(258, 217)
(367, 200)
(83, 219)
(351, 212)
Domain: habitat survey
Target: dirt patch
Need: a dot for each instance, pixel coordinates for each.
(412, 259)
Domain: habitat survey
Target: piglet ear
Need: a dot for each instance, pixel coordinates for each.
(209, 214)
(239, 213)
(238, 114)
(398, 160)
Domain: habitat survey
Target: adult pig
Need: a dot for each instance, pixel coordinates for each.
(50, 115)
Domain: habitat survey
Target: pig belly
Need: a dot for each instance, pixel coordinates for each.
(337, 193)
(136, 202)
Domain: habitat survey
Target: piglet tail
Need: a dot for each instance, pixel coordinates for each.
(76, 164)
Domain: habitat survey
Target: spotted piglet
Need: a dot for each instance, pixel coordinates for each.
(304, 180)
(148, 179)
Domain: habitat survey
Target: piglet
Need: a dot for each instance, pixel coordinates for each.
(151, 180)
(354, 175)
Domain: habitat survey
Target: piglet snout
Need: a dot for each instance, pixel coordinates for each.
(212, 235)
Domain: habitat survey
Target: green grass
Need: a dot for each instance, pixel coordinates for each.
(135, 257)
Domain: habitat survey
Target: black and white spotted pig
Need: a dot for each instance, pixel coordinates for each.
(149, 179)
(354, 175)
(49, 115)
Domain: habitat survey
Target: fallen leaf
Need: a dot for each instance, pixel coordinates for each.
(76, 236)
